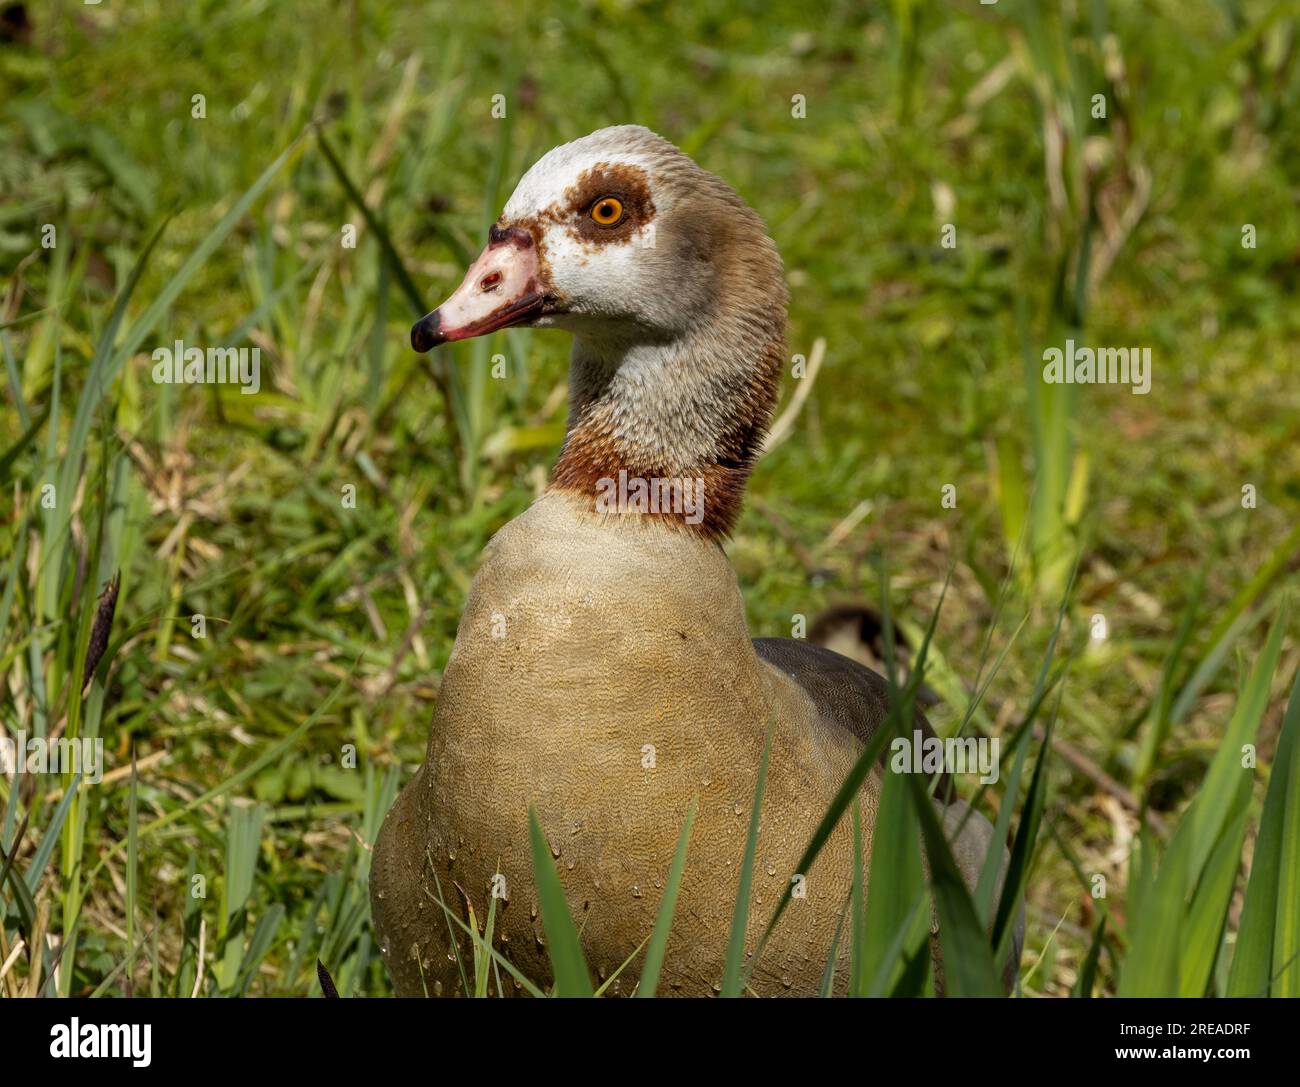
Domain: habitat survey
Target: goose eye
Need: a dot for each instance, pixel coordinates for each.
(607, 211)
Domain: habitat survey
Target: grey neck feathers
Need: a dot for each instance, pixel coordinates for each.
(694, 407)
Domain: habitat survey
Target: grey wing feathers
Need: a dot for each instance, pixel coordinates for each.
(845, 692)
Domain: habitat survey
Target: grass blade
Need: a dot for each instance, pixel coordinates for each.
(897, 878)
(1224, 781)
(43, 851)
(857, 898)
(132, 854)
(1022, 848)
(16, 450)
(654, 955)
(1235, 621)
(1267, 936)
(1158, 720)
(1207, 917)
(828, 974)
(732, 980)
(968, 965)
(1156, 908)
(565, 952)
(1087, 978)
(473, 934)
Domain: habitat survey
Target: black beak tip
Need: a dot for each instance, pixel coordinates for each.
(426, 333)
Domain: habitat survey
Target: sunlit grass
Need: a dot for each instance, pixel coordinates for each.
(236, 852)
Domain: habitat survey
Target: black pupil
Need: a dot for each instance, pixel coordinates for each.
(606, 210)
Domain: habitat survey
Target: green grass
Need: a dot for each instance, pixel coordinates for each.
(267, 751)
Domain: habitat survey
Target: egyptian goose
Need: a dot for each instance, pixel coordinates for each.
(603, 671)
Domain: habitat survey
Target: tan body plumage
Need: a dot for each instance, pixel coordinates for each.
(603, 672)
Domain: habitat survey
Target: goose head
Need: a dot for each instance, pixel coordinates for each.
(676, 299)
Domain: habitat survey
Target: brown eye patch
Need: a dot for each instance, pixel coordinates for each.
(609, 202)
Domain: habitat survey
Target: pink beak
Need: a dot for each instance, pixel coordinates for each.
(500, 289)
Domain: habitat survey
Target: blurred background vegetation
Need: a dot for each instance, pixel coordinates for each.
(329, 626)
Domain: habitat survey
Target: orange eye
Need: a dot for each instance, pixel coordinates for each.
(607, 211)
